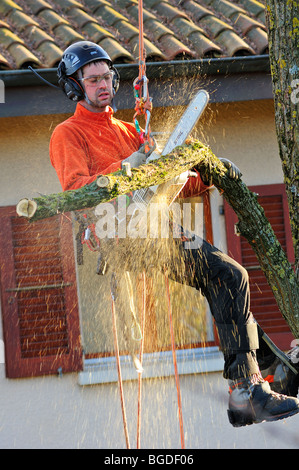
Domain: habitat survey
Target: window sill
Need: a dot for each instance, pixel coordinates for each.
(189, 361)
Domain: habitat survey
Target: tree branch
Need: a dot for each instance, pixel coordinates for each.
(253, 224)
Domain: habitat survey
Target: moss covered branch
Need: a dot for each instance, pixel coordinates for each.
(116, 184)
(253, 224)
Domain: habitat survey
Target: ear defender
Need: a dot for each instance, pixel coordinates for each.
(69, 85)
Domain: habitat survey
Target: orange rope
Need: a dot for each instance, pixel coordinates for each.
(140, 358)
(143, 103)
(177, 380)
(120, 384)
(141, 41)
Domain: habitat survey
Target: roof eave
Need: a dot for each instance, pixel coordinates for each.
(155, 70)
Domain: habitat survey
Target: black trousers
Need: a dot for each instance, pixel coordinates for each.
(225, 284)
(220, 279)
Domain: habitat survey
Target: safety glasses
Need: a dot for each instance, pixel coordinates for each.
(95, 80)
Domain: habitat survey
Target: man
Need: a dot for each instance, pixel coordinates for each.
(93, 142)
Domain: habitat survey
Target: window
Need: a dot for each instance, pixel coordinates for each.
(38, 296)
(40, 307)
(264, 307)
(193, 325)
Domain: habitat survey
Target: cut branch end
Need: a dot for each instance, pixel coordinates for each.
(26, 208)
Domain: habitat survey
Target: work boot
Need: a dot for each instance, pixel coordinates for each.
(252, 401)
(280, 377)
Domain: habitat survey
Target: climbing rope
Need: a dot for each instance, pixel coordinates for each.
(177, 380)
(143, 102)
(113, 290)
(141, 359)
(143, 106)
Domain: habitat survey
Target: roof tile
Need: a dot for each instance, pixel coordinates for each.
(52, 18)
(4, 64)
(7, 37)
(37, 36)
(22, 56)
(198, 11)
(153, 54)
(259, 37)
(204, 46)
(94, 32)
(3, 24)
(94, 4)
(117, 52)
(215, 25)
(126, 29)
(51, 52)
(186, 27)
(67, 5)
(174, 49)
(244, 23)
(79, 17)
(226, 8)
(173, 29)
(168, 11)
(7, 5)
(20, 20)
(108, 14)
(234, 45)
(37, 5)
(156, 28)
(253, 6)
(132, 9)
(67, 34)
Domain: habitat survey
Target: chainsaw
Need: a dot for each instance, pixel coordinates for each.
(172, 188)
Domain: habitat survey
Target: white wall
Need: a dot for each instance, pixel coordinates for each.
(52, 412)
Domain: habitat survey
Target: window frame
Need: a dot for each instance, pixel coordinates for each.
(16, 365)
(199, 358)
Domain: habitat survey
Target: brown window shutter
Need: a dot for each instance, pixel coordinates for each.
(38, 296)
(263, 305)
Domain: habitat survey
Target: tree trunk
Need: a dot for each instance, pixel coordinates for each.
(283, 32)
(252, 224)
(255, 227)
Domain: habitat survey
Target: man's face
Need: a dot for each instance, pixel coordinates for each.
(99, 92)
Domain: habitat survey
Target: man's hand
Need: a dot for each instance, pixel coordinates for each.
(136, 159)
(233, 170)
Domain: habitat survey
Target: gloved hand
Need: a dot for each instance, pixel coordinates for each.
(233, 170)
(136, 159)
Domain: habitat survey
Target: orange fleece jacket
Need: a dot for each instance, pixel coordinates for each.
(89, 144)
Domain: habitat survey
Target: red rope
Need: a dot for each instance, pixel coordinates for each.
(141, 358)
(141, 41)
(177, 381)
(122, 399)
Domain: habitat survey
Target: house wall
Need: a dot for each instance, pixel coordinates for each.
(52, 412)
